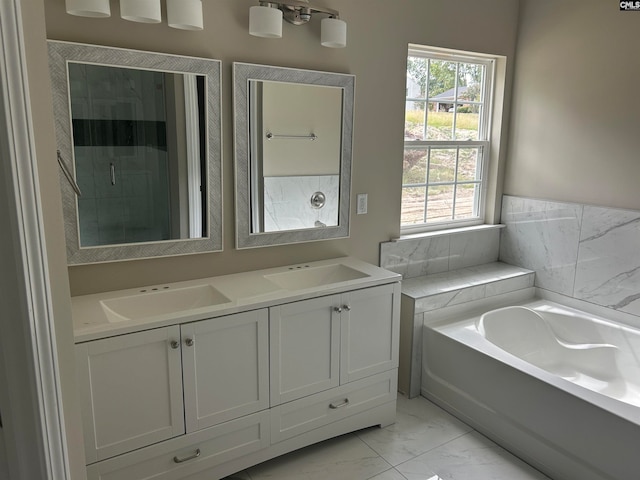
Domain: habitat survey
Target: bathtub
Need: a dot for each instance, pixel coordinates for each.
(556, 386)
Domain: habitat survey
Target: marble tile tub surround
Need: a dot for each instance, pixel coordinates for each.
(287, 202)
(465, 285)
(436, 252)
(581, 251)
(465, 288)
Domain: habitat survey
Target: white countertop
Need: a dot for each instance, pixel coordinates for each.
(245, 291)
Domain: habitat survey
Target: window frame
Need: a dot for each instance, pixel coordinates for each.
(484, 136)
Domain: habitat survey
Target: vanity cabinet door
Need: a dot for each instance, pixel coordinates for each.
(305, 348)
(226, 368)
(370, 331)
(130, 391)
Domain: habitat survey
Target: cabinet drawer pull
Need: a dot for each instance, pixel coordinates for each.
(346, 307)
(185, 459)
(344, 403)
(174, 344)
(189, 342)
(337, 309)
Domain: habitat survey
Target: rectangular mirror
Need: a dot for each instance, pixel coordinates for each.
(293, 137)
(139, 139)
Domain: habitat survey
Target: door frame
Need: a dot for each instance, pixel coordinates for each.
(30, 398)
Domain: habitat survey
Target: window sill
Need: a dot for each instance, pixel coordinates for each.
(449, 231)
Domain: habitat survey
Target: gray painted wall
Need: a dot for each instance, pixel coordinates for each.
(575, 112)
(379, 32)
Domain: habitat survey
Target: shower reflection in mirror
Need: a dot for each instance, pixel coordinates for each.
(140, 134)
(293, 141)
(295, 145)
(140, 157)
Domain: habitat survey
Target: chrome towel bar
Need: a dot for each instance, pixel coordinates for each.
(272, 136)
(68, 175)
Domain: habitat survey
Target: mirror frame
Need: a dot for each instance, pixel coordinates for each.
(242, 74)
(60, 54)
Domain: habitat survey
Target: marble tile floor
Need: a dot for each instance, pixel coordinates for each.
(425, 443)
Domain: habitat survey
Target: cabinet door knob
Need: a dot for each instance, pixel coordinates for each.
(174, 344)
(337, 309)
(346, 307)
(185, 459)
(189, 342)
(335, 406)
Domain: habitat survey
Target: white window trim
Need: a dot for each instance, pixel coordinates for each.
(489, 61)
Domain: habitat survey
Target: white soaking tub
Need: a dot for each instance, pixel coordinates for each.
(556, 386)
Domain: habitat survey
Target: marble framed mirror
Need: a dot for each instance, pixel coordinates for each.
(139, 146)
(293, 148)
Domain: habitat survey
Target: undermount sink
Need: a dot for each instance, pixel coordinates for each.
(152, 302)
(297, 278)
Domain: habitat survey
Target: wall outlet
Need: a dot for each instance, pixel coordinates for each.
(362, 204)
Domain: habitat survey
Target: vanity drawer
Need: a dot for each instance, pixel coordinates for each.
(300, 416)
(171, 460)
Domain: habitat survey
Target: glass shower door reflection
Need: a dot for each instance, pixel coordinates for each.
(129, 133)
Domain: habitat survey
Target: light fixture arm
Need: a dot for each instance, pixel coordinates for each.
(298, 12)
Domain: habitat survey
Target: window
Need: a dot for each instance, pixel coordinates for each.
(446, 139)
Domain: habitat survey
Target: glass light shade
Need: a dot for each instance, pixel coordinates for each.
(143, 11)
(333, 33)
(185, 14)
(265, 22)
(88, 8)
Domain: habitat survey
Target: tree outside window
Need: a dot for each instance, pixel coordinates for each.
(446, 139)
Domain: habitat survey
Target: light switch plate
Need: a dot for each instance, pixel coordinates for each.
(361, 209)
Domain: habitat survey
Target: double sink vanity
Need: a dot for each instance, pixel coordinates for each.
(203, 378)
(200, 379)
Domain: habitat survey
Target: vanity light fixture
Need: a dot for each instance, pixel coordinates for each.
(185, 14)
(265, 20)
(182, 14)
(88, 8)
(143, 11)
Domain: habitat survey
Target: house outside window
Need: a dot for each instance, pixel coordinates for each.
(446, 139)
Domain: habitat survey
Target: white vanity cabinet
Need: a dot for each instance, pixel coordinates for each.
(331, 357)
(321, 343)
(305, 348)
(189, 397)
(132, 386)
(119, 379)
(226, 368)
(369, 332)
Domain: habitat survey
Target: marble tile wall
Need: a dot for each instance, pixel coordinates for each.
(466, 285)
(414, 257)
(469, 287)
(586, 252)
(287, 202)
